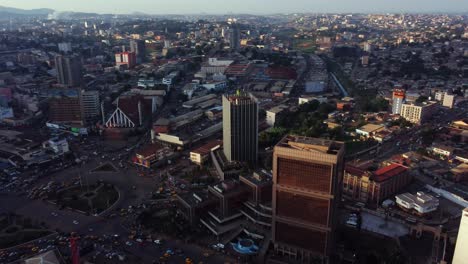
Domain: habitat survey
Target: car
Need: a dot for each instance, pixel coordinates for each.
(221, 246)
(157, 242)
(75, 222)
(54, 214)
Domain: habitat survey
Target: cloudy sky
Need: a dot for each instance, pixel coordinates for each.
(242, 6)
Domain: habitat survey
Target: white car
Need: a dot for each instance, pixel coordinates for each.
(75, 222)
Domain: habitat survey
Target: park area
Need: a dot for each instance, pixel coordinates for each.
(16, 230)
(92, 199)
(305, 45)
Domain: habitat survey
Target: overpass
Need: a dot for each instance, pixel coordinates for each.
(337, 82)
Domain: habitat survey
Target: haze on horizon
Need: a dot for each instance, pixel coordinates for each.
(243, 6)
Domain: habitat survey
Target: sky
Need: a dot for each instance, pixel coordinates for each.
(242, 6)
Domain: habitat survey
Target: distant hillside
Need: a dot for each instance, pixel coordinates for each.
(33, 12)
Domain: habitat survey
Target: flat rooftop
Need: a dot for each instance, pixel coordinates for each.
(311, 144)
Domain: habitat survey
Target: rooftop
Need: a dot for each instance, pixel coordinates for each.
(148, 150)
(385, 173)
(311, 144)
(205, 149)
(369, 128)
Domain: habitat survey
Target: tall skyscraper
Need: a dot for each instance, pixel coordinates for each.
(461, 253)
(240, 127)
(398, 100)
(138, 46)
(68, 70)
(307, 179)
(234, 37)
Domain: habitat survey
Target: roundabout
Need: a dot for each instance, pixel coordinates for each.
(88, 199)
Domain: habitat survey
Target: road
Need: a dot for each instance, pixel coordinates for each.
(133, 189)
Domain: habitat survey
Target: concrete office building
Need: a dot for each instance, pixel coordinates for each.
(307, 178)
(240, 127)
(461, 253)
(418, 113)
(91, 105)
(138, 47)
(449, 100)
(68, 70)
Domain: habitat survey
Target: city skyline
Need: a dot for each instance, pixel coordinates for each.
(242, 6)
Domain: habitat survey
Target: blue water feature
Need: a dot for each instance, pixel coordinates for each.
(245, 247)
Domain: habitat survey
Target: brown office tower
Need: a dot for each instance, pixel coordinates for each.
(307, 178)
(65, 107)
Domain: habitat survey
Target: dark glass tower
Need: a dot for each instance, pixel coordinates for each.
(240, 127)
(68, 70)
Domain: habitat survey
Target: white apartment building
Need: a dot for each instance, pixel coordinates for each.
(461, 248)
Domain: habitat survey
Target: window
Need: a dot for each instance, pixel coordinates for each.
(304, 175)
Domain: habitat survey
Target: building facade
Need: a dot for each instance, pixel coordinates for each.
(398, 99)
(68, 70)
(374, 187)
(139, 48)
(127, 59)
(417, 113)
(461, 254)
(240, 127)
(307, 177)
(66, 108)
(91, 105)
(234, 37)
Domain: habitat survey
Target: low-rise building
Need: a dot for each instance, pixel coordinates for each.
(420, 203)
(57, 145)
(152, 155)
(202, 154)
(442, 150)
(374, 187)
(369, 130)
(273, 113)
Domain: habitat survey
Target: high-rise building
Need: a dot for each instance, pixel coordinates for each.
(68, 70)
(65, 47)
(240, 127)
(138, 47)
(91, 105)
(461, 253)
(234, 37)
(398, 99)
(66, 107)
(307, 179)
(449, 100)
(418, 113)
(127, 59)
